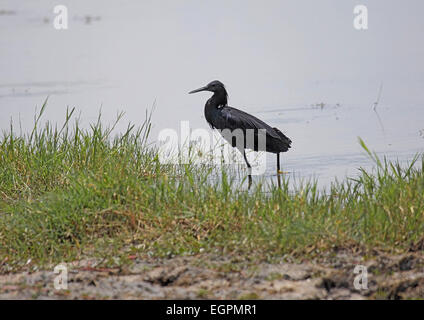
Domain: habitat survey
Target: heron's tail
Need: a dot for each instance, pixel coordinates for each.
(286, 142)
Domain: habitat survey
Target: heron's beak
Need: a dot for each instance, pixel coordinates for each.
(198, 90)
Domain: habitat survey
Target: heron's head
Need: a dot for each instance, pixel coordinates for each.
(215, 87)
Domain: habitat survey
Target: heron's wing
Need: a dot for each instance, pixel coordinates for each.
(232, 118)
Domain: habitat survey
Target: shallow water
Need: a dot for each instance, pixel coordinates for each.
(298, 65)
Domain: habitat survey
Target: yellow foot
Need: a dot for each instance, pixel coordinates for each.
(282, 172)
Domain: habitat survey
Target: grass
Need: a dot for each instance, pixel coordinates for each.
(68, 193)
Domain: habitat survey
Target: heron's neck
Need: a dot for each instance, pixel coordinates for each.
(219, 99)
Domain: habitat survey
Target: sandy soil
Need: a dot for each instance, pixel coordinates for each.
(392, 277)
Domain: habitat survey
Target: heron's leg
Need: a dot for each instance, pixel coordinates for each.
(245, 159)
(249, 176)
(278, 170)
(278, 163)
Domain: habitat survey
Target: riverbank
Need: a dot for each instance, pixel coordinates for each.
(70, 194)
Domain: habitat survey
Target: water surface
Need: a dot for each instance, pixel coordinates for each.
(299, 65)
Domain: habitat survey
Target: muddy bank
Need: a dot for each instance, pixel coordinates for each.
(389, 277)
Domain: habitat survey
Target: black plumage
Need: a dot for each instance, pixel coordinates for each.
(221, 116)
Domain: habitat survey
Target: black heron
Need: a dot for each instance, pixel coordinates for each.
(221, 116)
